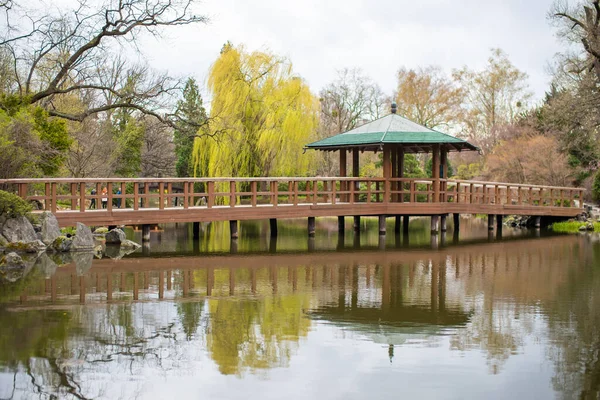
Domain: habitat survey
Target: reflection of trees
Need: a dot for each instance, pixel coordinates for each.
(190, 314)
(255, 335)
(574, 325)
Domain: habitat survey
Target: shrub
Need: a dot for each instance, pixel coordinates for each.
(12, 205)
(596, 187)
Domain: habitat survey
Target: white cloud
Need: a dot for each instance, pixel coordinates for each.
(378, 36)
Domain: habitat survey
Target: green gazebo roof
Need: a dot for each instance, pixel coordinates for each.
(392, 129)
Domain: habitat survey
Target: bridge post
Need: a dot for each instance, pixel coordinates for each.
(490, 222)
(434, 223)
(196, 230)
(273, 227)
(233, 229)
(456, 218)
(443, 223)
(405, 220)
(311, 226)
(341, 224)
(397, 224)
(382, 227)
(499, 224)
(145, 233)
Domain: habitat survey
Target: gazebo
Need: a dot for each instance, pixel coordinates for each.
(395, 136)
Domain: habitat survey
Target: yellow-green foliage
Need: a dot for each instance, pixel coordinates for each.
(572, 226)
(262, 116)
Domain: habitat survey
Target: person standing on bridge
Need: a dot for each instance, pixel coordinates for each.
(104, 197)
(93, 201)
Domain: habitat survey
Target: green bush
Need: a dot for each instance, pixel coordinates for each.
(12, 205)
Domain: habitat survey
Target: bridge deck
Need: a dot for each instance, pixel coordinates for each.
(134, 201)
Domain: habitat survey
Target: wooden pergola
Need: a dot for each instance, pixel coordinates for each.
(394, 136)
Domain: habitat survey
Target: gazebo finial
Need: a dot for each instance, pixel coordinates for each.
(394, 107)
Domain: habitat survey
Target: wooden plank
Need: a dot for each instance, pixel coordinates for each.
(109, 188)
(82, 195)
(161, 195)
(232, 197)
(210, 189)
(136, 195)
(253, 185)
(186, 194)
(54, 204)
(295, 193)
(123, 195)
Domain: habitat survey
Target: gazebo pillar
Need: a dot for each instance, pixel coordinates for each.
(355, 166)
(343, 188)
(435, 175)
(399, 168)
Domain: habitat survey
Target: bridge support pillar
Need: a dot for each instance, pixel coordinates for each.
(405, 220)
(397, 224)
(311, 226)
(273, 227)
(357, 223)
(382, 227)
(341, 225)
(196, 230)
(233, 229)
(490, 222)
(443, 227)
(145, 233)
(499, 225)
(456, 218)
(538, 222)
(434, 223)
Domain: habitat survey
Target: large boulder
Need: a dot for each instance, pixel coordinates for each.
(84, 240)
(18, 230)
(35, 246)
(115, 236)
(12, 266)
(62, 244)
(49, 227)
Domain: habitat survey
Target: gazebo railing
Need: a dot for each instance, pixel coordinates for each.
(72, 194)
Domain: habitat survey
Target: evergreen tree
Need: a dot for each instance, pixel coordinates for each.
(191, 110)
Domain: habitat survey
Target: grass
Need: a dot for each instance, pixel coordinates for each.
(571, 226)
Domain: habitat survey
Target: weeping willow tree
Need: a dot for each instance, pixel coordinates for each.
(262, 116)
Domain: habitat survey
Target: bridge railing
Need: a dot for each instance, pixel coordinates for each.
(84, 194)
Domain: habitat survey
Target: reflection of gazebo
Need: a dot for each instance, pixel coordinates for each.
(395, 136)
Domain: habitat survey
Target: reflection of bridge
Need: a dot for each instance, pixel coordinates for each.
(104, 278)
(234, 199)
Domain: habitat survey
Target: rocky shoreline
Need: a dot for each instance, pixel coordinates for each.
(24, 245)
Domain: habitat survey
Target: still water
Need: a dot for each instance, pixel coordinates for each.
(466, 317)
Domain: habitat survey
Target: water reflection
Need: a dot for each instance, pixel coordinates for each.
(141, 327)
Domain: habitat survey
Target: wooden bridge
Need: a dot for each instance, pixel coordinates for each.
(144, 201)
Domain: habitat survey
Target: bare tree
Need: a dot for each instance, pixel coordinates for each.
(55, 53)
(158, 150)
(580, 24)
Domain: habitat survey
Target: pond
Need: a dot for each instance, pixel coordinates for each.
(464, 316)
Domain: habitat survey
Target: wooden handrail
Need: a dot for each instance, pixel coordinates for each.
(164, 193)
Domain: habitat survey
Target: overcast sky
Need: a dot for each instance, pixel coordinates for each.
(379, 36)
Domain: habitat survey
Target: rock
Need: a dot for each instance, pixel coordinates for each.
(115, 236)
(50, 229)
(18, 230)
(35, 246)
(12, 267)
(11, 261)
(62, 244)
(98, 251)
(83, 261)
(101, 231)
(588, 226)
(129, 244)
(84, 240)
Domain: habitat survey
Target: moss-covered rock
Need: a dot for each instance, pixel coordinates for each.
(101, 231)
(62, 244)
